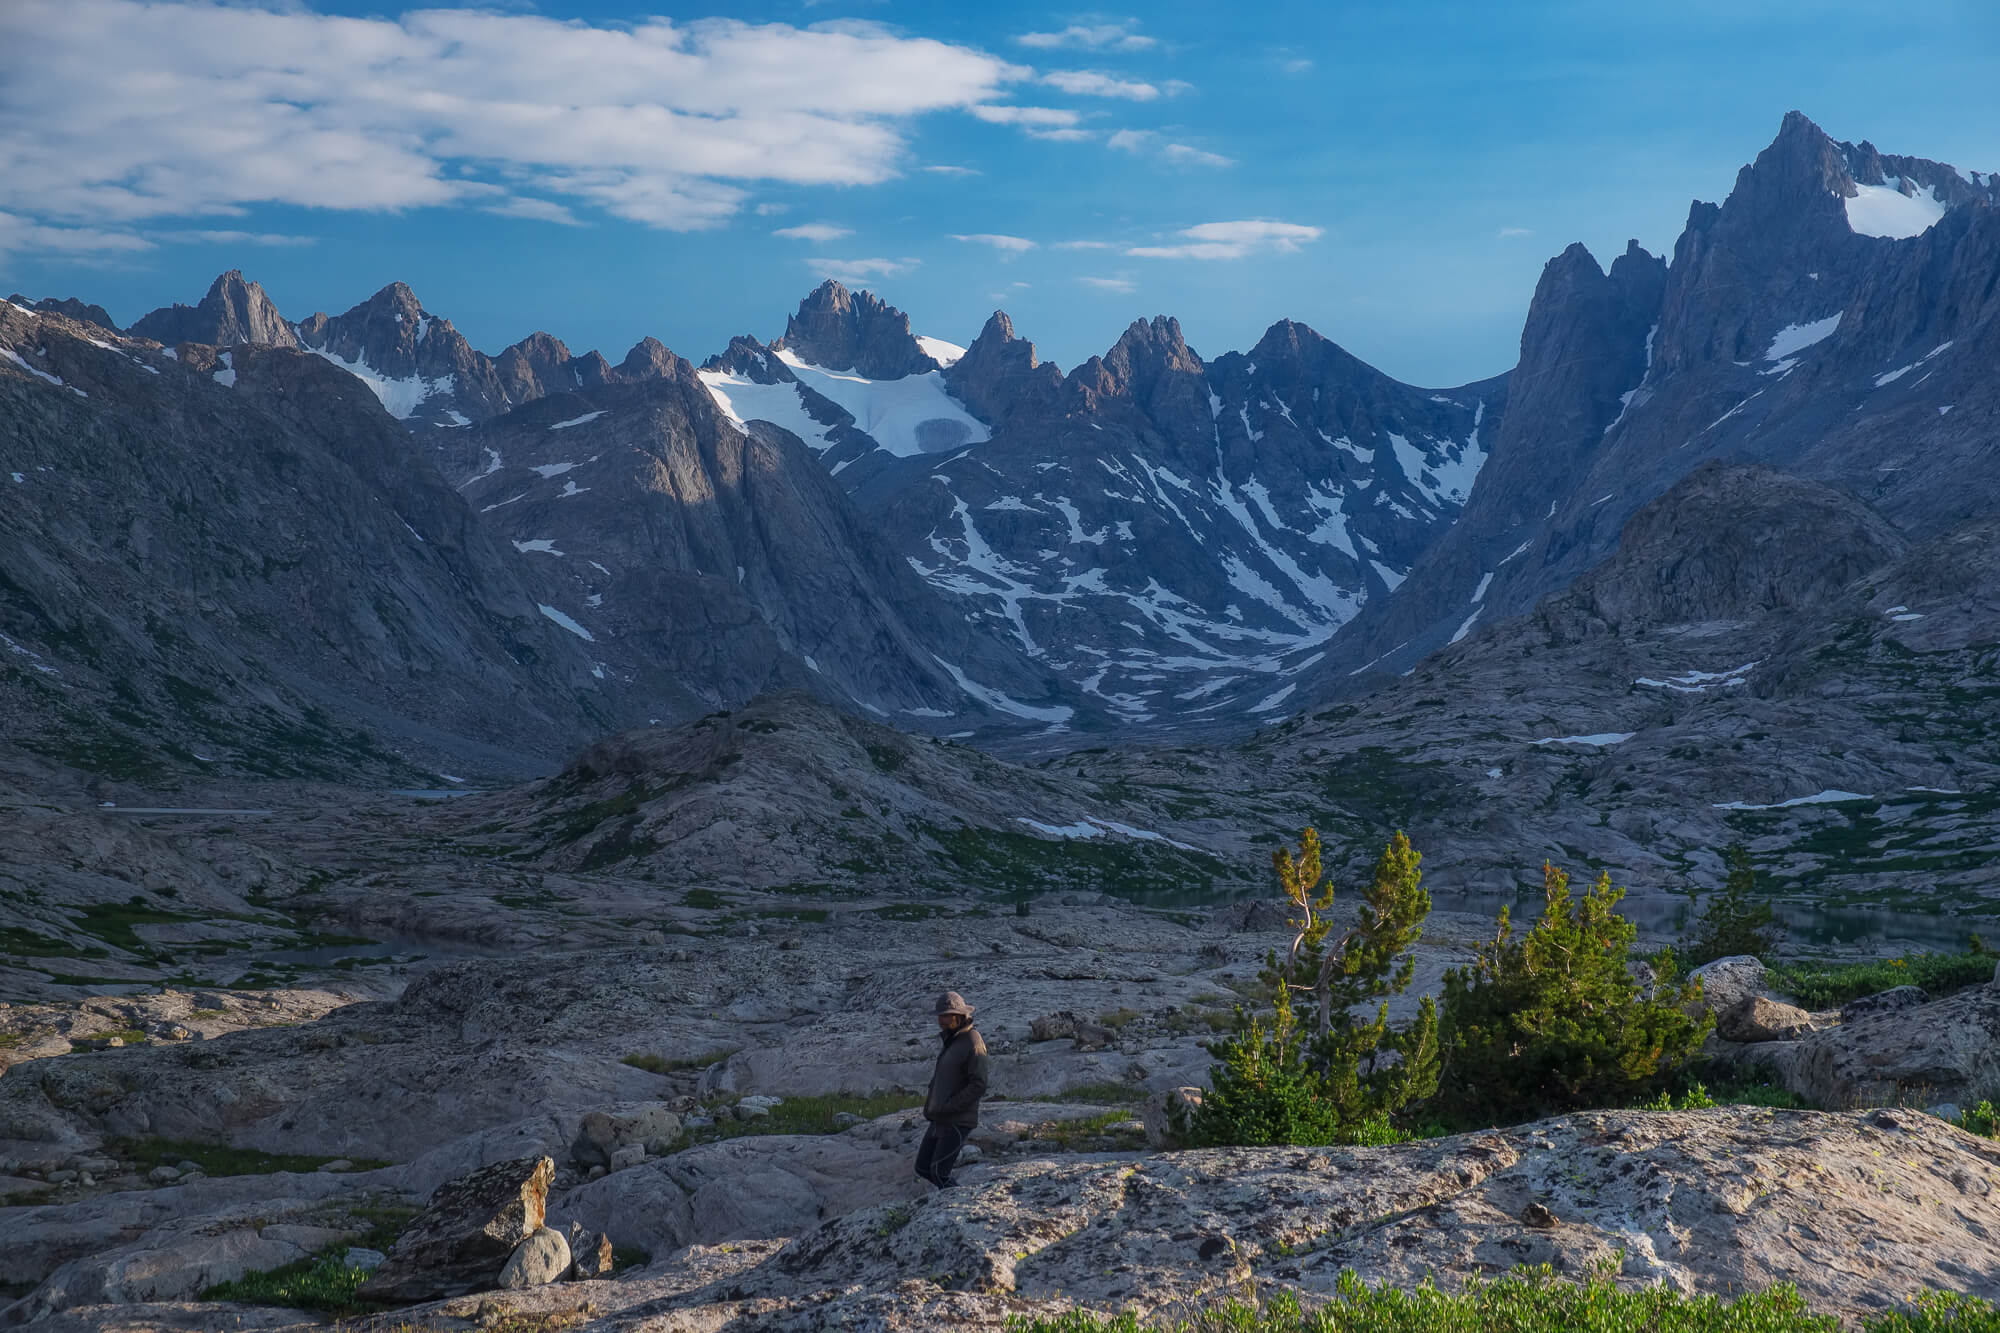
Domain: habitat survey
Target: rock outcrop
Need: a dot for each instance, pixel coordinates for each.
(474, 1227)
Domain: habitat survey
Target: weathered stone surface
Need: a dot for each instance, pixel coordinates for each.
(590, 1254)
(1160, 1113)
(1053, 1027)
(1756, 1018)
(1948, 1050)
(537, 1261)
(609, 1129)
(462, 1240)
(1728, 982)
(1884, 1002)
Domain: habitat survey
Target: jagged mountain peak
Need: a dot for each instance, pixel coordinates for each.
(1000, 377)
(842, 330)
(234, 311)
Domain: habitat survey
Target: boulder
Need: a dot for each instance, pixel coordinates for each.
(1948, 1050)
(365, 1259)
(603, 1132)
(1053, 1027)
(1884, 1002)
(468, 1233)
(1727, 982)
(590, 1254)
(628, 1156)
(1094, 1037)
(1159, 1112)
(537, 1261)
(1758, 1019)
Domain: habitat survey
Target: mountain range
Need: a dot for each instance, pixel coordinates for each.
(359, 528)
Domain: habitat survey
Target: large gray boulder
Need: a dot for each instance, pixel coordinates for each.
(1727, 982)
(537, 1261)
(604, 1133)
(1946, 1051)
(465, 1237)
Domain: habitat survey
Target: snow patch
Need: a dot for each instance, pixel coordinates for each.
(1001, 703)
(574, 421)
(1597, 740)
(399, 397)
(1829, 797)
(1795, 338)
(15, 357)
(1700, 682)
(909, 416)
(940, 351)
(566, 622)
(744, 401)
(542, 545)
(1884, 210)
(1272, 701)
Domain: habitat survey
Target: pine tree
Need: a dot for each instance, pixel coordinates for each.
(1315, 1073)
(1554, 1021)
(1733, 922)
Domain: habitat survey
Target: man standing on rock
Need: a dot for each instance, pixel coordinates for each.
(957, 1084)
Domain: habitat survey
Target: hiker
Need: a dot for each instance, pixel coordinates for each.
(957, 1084)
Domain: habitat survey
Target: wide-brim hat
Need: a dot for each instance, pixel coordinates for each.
(951, 1002)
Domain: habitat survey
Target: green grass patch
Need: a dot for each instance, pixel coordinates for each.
(218, 1160)
(805, 1115)
(1118, 1018)
(113, 923)
(707, 900)
(1533, 1300)
(661, 1064)
(1823, 985)
(324, 1282)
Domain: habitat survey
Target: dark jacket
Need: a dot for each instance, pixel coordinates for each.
(959, 1080)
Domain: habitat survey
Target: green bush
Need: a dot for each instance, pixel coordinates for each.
(1982, 1120)
(1533, 1301)
(1732, 922)
(324, 1282)
(1554, 1022)
(1820, 985)
(1323, 1076)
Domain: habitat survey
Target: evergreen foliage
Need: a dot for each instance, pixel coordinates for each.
(1554, 1021)
(1312, 1072)
(1732, 921)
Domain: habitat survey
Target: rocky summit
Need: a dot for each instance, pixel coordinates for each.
(481, 836)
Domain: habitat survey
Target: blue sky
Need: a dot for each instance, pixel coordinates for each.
(1394, 175)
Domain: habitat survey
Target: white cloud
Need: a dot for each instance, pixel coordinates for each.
(206, 110)
(1148, 141)
(1012, 245)
(854, 272)
(952, 171)
(814, 231)
(1232, 240)
(1093, 83)
(1096, 37)
(1517, 231)
(239, 238)
(536, 210)
(23, 234)
(1187, 155)
(1083, 245)
(1037, 122)
(1109, 284)
(1296, 65)
(771, 210)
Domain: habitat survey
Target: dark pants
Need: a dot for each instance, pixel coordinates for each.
(939, 1153)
